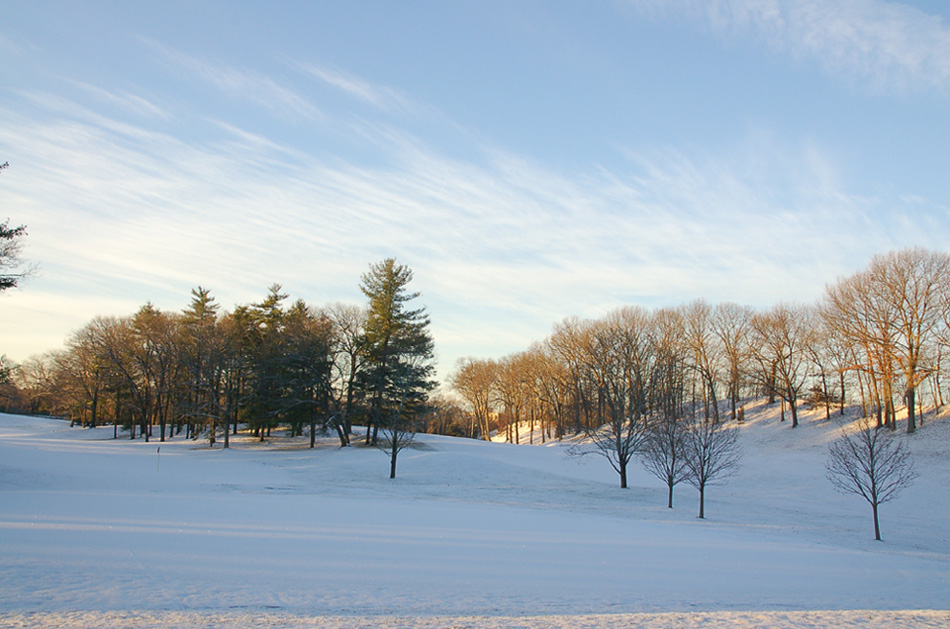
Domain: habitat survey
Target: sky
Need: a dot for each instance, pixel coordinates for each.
(529, 161)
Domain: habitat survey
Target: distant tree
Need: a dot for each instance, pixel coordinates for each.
(731, 323)
(782, 336)
(447, 417)
(663, 451)
(711, 455)
(870, 463)
(348, 354)
(705, 351)
(567, 346)
(35, 379)
(474, 380)
(9, 392)
(129, 360)
(306, 367)
(200, 357)
(514, 390)
(912, 282)
(262, 326)
(81, 372)
(620, 357)
(399, 359)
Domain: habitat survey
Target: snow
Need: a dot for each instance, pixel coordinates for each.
(102, 532)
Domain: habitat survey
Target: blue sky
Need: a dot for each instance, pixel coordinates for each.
(528, 160)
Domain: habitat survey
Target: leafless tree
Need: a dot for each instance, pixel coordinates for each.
(81, 372)
(568, 344)
(732, 323)
(349, 355)
(705, 352)
(474, 380)
(712, 455)
(620, 356)
(872, 464)
(782, 336)
(912, 282)
(663, 453)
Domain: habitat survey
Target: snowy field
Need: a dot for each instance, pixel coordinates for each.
(96, 532)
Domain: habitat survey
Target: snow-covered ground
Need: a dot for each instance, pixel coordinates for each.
(99, 532)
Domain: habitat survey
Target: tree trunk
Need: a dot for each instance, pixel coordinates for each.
(911, 411)
(395, 451)
(94, 406)
(877, 523)
(841, 376)
(341, 433)
(702, 502)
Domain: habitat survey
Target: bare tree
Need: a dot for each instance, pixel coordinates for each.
(620, 356)
(663, 451)
(514, 388)
(705, 352)
(782, 336)
(568, 346)
(349, 356)
(912, 282)
(475, 380)
(81, 373)
(731, 323)
(711, 455)
(872, 464)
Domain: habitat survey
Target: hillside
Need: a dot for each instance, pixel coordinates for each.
(99, 532)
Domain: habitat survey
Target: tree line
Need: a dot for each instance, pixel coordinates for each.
(204, 373)
(878, 338)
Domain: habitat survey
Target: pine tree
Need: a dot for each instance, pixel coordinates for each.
(399, 358)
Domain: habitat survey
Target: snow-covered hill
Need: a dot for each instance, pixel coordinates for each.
(99, 532)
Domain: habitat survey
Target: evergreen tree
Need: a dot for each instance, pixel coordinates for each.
(11, 241)
(400, 351)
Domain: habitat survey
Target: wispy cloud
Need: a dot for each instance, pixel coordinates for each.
(887, 44)
(502, 247)
(243, 83)
(132, 103)
(381, 97)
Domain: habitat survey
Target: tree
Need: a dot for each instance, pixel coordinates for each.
(513, 388)
(866, 323)
(913, 282)
(129, 361)
(81, 373)
(705, 350)
(663, 452)
(782, 337)
(711, 455)
(731, 323)
(474, 380)
(399, 355)
(306, 367)
(262, 326)
(872, 464)
(11, 244)
(619, 355)
(200, 355)
(348, 353)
